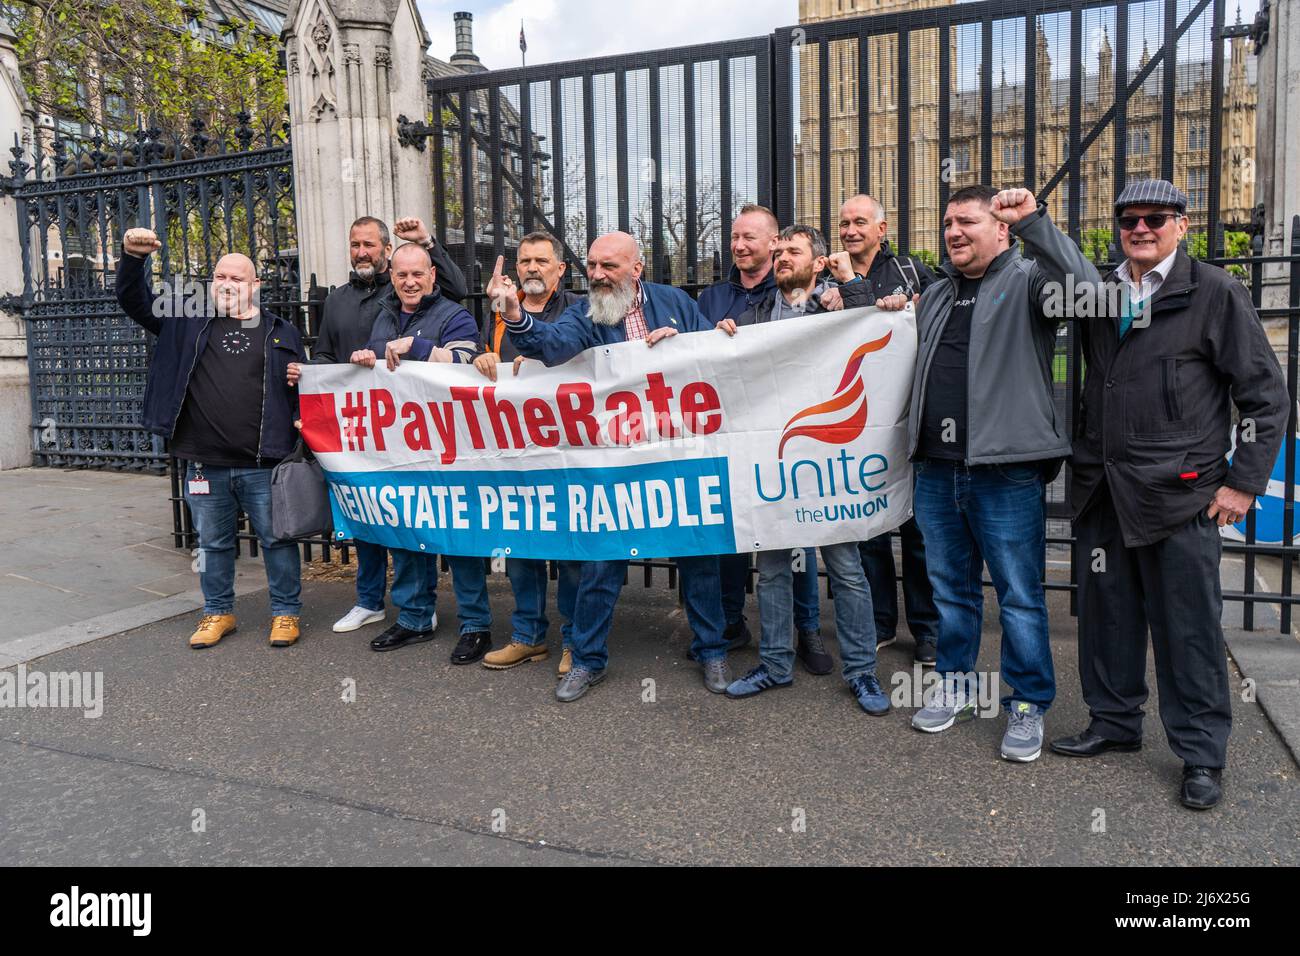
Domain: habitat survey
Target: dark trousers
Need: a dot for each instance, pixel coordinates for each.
(1172, 587)
(918, 597)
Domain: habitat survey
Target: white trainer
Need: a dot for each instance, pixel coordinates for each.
(356, 618)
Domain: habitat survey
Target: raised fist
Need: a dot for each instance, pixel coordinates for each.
(140, 242)
(841, 266)
(1012, 205)
(411, 229)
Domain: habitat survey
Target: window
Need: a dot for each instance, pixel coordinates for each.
(1197, 193)
(1013, 154)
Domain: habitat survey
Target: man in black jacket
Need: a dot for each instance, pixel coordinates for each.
(347, 319)
(867, 270)
(540, 266)
(217, 393)
(1175, 344)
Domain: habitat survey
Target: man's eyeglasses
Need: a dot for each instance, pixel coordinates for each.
(1154, 220)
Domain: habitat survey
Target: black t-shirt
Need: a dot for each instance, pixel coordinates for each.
(943, 425)
(221, 417)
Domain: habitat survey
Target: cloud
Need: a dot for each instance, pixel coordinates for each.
(577, 29)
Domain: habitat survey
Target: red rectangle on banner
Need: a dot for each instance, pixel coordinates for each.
(320, 424)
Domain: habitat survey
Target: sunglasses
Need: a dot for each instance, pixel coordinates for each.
(1154, 220)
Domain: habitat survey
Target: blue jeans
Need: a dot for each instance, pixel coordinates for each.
(528, 581)
(993, 514)
(415, 586)
(854, 622)
(918, 597)
(372, 575)
(734, 571)
(230, 491)
(598, 587)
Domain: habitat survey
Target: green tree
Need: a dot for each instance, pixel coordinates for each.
(1096, 244)
(926, 256)
(103, 61)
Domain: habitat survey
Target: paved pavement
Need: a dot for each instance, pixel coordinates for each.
(430, 756)
(84, 554)
(439, 764)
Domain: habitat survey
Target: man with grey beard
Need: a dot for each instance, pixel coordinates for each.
(621, 307)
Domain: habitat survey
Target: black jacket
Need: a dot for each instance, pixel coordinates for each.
(347, 317)
(182, 339)
(350, 310)
(890, 274)
(1156, 412)
(500, 343)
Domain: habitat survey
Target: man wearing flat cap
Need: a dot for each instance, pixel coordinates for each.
(1177, 345)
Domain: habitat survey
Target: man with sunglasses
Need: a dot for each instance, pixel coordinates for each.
(1176, 344)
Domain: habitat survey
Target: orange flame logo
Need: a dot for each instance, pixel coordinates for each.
(846, 393)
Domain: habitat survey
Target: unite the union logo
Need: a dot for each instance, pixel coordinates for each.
(850, 390)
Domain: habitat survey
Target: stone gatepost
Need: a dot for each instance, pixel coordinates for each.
(15, 388)
(1278, 138)
(353, 68)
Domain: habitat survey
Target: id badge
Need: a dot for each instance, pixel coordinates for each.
(198, 485)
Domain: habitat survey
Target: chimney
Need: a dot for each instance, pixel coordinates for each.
(464, 57)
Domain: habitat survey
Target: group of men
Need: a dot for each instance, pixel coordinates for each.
(1150, 483)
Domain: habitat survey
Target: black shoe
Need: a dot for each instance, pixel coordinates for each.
(1202, 787)
(810, 649)
(884, 640)
(927, 653)
(1088, 744)
(736, 635)
(471, 646)
(398, 636)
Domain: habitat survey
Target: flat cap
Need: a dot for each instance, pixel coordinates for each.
(1151, 192)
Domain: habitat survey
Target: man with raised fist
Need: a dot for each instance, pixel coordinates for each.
(984, 437)
(218, 393)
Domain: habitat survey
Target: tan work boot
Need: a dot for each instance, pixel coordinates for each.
(211, 629)
(284, 630)
(566, 663)
(514, 654)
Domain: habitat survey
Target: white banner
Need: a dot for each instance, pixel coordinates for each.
(789, 434)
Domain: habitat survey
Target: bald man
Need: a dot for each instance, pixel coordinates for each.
(217, 392)
(621, 307)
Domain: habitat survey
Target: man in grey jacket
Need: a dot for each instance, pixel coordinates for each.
(983, 436)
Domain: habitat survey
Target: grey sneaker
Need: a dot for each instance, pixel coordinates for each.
(576, 683)
(1023, 741)
(950, 703)
(717, 675)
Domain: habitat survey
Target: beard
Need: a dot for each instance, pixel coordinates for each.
(368, 270)
(610, 303)
(533, 287)
(794, 280)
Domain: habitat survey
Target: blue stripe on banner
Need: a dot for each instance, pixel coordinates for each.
(664, 509)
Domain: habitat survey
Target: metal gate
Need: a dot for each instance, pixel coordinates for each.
(204, 195)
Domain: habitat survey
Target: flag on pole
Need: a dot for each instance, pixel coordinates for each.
(523, 44)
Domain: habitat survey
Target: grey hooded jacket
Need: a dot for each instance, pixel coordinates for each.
(1011, 416)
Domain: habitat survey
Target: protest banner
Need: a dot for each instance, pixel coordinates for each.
(786, 435)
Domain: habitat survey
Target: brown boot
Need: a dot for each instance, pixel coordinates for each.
(566, 663)
(211, 629)
(514, 654)
(284, 630)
